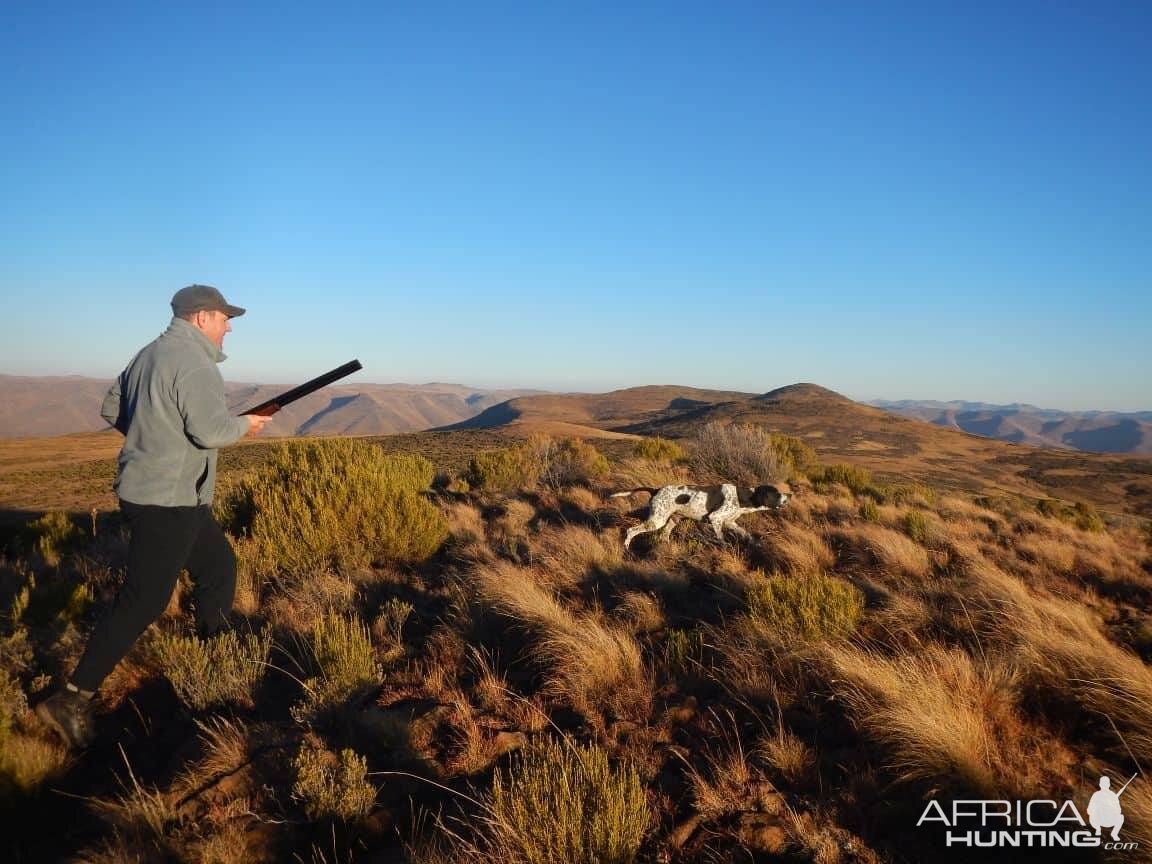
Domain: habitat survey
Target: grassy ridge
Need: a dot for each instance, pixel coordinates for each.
(526, 687)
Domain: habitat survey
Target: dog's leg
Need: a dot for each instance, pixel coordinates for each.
(738, 531)
(666, 531)
(649, 524)
(717, 524)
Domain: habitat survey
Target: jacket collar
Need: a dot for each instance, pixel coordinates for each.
(181, 329)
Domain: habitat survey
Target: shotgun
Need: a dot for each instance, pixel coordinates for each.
(267, 409)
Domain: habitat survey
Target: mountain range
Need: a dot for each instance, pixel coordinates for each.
(32, 407)
(1094, 431)
(47, 406)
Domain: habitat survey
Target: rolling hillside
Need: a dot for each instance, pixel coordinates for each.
(45, 406)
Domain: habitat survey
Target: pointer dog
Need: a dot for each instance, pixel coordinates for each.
(720, 505)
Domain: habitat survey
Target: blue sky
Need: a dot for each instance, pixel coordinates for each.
(891, 199)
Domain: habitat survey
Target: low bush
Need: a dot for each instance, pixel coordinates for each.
(331, 786)
(539, 460)
(683, 649)
(26, 760)
(856, 478)
(743, 454)
(341, 655)
(566, 462)
(659, 450)
(336, 503)
(1087, 518)
(918, 525)
(222, 670)
(813, 607)
(388, 627)
(561, 801)
(1083, 515)
(54, 535)
(505, 470)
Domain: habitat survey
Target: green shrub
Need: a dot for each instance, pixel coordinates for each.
(341, 655)
(222, 670)
(566, 462)
(743, 454)
(1087, 518)
(911, 493)
(54, 597)
(918, 525)
(561, 801)
(1054, 509)
(856, 478)
(54, 535)
(659, 450)
(505, 470)
(813, 607)
(793, 451)
(683, 648)
(540, 459)
(388, 627)
(336, 503)
(26, 760)
(1083, 515)
(869, 511)
(328, 786)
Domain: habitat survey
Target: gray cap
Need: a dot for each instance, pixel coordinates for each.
(196, 298)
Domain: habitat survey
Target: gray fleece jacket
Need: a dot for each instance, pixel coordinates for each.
(169, 404)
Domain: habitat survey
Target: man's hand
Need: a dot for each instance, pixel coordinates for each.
(255, 424)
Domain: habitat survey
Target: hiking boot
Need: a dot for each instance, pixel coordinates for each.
(69, 714)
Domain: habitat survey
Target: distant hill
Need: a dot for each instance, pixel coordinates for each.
(1096, 431)
(594, 414)
(48, 406)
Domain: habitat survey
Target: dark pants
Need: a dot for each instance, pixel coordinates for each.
(164, 541)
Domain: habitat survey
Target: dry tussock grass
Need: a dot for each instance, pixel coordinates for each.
(1069, 657)
(1053, 555)
(641, 611)
(900, 557)
(800, 551)
(467, 539)
(729, 783)
(583, 499)
(943, 717)
(804, 508)
(1064, 654)
(764, 667)
(786, 753)
(841, 510)
(591, 664)
(489, 687)
(297, 605)
(567, 555)
(723, 566)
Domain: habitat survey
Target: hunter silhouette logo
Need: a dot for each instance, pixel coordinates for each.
(1104, 809)
(1044, 823)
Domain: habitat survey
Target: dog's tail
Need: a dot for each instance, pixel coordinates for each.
(649, 489)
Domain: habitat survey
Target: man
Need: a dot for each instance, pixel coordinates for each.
(169, 405)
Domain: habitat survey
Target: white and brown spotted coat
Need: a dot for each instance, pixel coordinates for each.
(720, 505)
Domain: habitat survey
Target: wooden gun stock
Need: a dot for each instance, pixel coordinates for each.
(271, 406)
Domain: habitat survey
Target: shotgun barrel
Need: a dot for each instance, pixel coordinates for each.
(270, 407)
